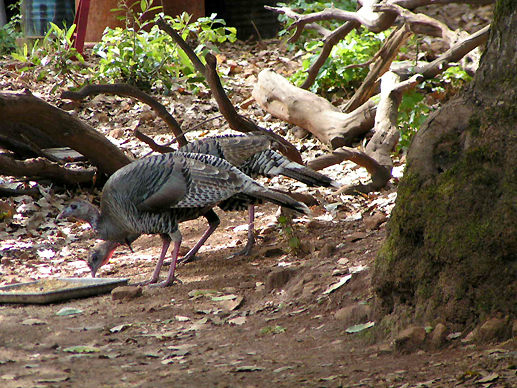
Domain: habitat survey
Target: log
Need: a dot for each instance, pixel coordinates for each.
(64, 128)
(43, 168)
(311, 112)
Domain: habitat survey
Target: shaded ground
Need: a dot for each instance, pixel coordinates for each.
(288, 336)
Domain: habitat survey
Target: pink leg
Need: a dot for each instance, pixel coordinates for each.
(177, 243)
(156, 274)
(251, 237)
(213, 222)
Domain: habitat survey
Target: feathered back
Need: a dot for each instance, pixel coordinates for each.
(153, 194)
(251, 154)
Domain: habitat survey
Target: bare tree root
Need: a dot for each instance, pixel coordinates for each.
(64, 128)
(151, 143)
(236, 121)
(130, 91)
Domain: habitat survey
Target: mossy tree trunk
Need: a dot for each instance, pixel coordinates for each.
(451, 250)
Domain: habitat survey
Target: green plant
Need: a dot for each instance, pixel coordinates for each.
(306, 7)
(10, 31)
(150, 59)
(338, 72)
(54, 54)
(289, 233)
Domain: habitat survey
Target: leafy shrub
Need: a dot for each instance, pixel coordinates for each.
(306, 7)
(356, 48)
(150, 59)
(54, 54)
(10, 31)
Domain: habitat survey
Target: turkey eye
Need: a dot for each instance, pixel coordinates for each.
(74, 207)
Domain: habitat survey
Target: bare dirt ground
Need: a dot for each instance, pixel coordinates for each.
(276, 318)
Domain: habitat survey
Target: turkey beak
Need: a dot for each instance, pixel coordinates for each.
(93, 269)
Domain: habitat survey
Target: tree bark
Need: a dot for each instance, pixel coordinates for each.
(451, 251)
(62, 127)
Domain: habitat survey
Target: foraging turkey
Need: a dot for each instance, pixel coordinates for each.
(154, 194)
(251, 154)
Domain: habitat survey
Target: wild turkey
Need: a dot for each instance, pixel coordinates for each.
(251, 154)
(154, 194)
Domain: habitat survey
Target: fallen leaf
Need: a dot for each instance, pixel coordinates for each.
(119, 328)
(272, 330)
(230, 305)
(489, 378)
(237, 321)
(360, 327)
(199, 293)
(224, 297)
(69, 311)
(337, 285)
(248, 368)
(82, 349)
(33, 322)
(59, 379)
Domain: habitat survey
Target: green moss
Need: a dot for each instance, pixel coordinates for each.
(503, 8)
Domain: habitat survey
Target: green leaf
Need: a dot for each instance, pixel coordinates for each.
(69, 311)
(82, 349)
(360, 327)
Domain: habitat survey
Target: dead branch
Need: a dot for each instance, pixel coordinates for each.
(386, 55)
(458, 51)
(311, 112)
(422, 24)
(41, 167)
(236, 121)
(412, 4)
(6, 192)
(17, 147)
(366, 16)
(64, 128)
(151, 143)
(379, 174)
(130, 91)
(183, 45)
(329, 42)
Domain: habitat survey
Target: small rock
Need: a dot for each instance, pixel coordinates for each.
(439, 334)
(410, 338)
(316, 224)
(116, 133)
(374, 221)
(352, 315)
(278, 278)
(300, 133)
(326, 251)
(471, 336)
(356, 236)
(126, 292)
(493, 328)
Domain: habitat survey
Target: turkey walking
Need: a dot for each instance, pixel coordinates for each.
(154, 194)
(251, 154)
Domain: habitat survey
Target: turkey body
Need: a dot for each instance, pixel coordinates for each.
(154, 194)
(251, 154)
